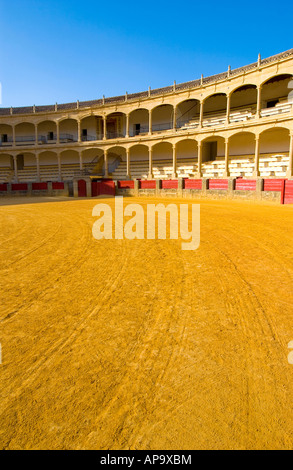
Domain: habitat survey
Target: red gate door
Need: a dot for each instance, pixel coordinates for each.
(108, 187)
(96, 188)
(81, 188)
(288, 192)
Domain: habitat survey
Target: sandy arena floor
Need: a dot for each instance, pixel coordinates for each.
(140, 345)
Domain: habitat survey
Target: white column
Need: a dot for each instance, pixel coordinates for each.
(150, 122)
(36, 134)
(258, 107)
(199, 158)
(227, 172)
(174, 162)
(290, 163)
(106, 163)
(128, 173)
(38, 167)
(150, 163)
(13, 136)
(256, 162)
(105, 127)
(228, 109)
(201, 114)
(127, 125)
(15, 168)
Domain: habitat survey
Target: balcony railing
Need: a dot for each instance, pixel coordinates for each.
(142, 130)
(66, 138)
(162, 127)
(115, 135)
(8, 142)
(91, 138)
(25, 139)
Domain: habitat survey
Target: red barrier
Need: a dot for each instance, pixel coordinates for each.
(39, 186)
(169, 184)
(81, 188)
(219, 184)
(273, 184)
(19, 187)
(288, 192)
(57, 186)
(148, 184)
(193, 184)
(126, 184)
(95, 189)
(245, 185)
(3, 187)
(108, 187)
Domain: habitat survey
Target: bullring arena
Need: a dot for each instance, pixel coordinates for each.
(136, 344)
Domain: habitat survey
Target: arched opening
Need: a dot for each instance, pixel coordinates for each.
(187, 114)
(25, 133)
(139, 161)
(26, 167)
(138, 122)
(116, 125)
(47, 132)
(70, 164)
(213, 157)
(275, 95)
(163, 160)
(68, 129)
(6, 135)
(274, 152)
(6, 167)
(93, 161)
(91, 128)
(241, 154)
(187, 158)
(243, 103)
(116, 155)
(162, 117)
(49, 170)
(215, 110)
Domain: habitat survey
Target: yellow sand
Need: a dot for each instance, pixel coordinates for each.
(140, 345)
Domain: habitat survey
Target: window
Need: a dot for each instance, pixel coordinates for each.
(4, 138)
(136, 129)
(272, 103)
(50, 135)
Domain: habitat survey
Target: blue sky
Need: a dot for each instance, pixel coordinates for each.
(61, 51)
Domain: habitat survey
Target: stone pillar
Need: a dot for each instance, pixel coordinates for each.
(180, 187)
(59, 167)
(106, 163)
(256, 161)
(258, 107)
(128, 172)
(231, 186)
(174, 175)
(150, 122)
(259, 188)
(205, 186)
(29, 192)
(50, 188)
(38, 167)
(136, 187)
(201, 114)
(13, 136)
(75, 188)
(199, 169)
(58, 132)
(228, 109)
(174, 119)
(89, 187)
(150, 175)
(15, 168)
(127, 125)
(80, 161)
(105, 127)
(158, 187)
(78, 131)
(290, 163)
(36, 135)
(227, 172)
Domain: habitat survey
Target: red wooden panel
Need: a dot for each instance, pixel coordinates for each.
(19, 187)
(218, 184)
(273, 184)
(126, 184)
(57, 186)
(169, 184)
(288, 196)
(39, 186)
(193, 184)
(245, 185)
(3, 187)
(107, 187)
(81, 188)
(95, 189)
(148, 184)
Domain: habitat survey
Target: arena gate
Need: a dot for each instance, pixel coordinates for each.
(82, 188)
(287, 194)
(100, 188)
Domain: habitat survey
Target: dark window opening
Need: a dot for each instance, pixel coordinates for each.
(4, 138)
(272, 103)
(136, 129)
(50, 135)
(84, 132)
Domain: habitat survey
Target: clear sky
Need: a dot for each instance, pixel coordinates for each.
(60, 51)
